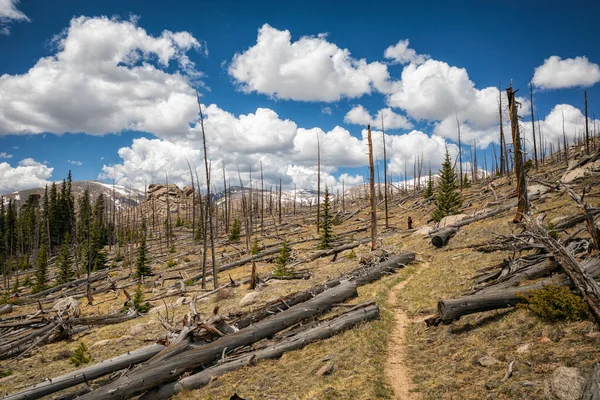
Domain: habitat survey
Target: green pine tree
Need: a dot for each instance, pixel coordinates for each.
(41, 270)
(466, 183)
(326, 222)
(142, 268)
(429, 189)
(235, 232)
(282, 260)
(448, 197)
(254, 249)
(64, 261)
(138, 300)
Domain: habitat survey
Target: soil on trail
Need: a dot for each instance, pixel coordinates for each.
(395, 366)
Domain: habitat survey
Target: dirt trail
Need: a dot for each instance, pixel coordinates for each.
(395, 366)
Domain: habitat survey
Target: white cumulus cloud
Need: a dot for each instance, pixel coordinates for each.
(29, 173)
(107, 76)
(558, 73)
(309, 69)
(400, 53)
(358, 115)
(9, 13)
(5, 155)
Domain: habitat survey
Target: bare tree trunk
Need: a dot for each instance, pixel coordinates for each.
(262, 201)
(503, 149)
(372, 192)
(318, 184)
(279, 201)
(587, 131)
(459, 151)
(522, 205)
(535, 155)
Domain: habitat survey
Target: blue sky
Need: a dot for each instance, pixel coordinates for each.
(90, 84)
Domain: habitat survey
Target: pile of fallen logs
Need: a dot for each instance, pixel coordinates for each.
(208, 348)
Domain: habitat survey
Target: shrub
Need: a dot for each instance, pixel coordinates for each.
(171, 263)
(281, 268)
(81, 355)
(138, 300)
(172, 248)
(528, 165)
(5, 373)
(351, 255)
(235, 232)
(556, 303)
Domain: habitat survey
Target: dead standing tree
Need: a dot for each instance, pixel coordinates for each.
(522, 205)
(535, 154)
(385, 185)
(208, 201)
(372, 192)
(318, 184)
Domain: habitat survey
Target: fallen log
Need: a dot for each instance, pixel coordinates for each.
(242, 261)
(74, 378)
(442, 236)
(333, 251)
(151, 375)
(507, 277)
(592, 387)
(571, 221)
(276, 350)
(93, 278)
(586, 285)
(360, 275)
(6, 309)
(452, 309)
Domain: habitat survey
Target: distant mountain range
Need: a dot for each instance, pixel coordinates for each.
(122, 195)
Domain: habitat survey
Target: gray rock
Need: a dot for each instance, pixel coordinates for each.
(567, 383)
(487, 361)
(326, 369)
(249, 299)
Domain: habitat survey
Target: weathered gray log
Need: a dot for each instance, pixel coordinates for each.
(442, 236)
(453, 309)
(6, 309)
(103, 319)
(74, 378)
(575, 219)
(361, 276)
(530, 272)
(151, 375)
(592, 387)
(242, 261)
(586, 285)
(392, 265)
(93, 278)
(276, 350)
(335, 250)
(284, 303)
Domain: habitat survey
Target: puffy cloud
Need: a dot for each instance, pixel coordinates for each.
(400, 53)
(326, 110)
(9, 13)
(5, 155)
(436, 91)
(147, 161)
(556, 73)
(307, 178)
(358, 115)
(309, 69)
(29, 173)
(552, 127)
(106, 76)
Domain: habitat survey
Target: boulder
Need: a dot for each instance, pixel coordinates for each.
(567, 383)
(537, 190)
(249, 299)
(487, 361)
(452, 219)
(573, 175)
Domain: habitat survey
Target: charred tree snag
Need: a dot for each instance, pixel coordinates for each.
(372, 191)
(442, 236)
(151, 375)
(522, 204)
(323, 331)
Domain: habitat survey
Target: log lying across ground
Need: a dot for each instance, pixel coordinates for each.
(74, 378)
(148, 376)
(494, 299)
(93, 278)
(276, 350)
(442, 236)
(361, 276)
(6, 309)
